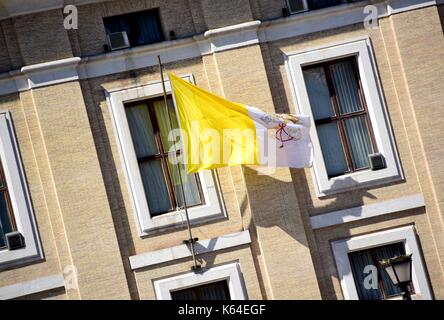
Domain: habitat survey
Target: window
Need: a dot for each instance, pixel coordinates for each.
(149, 126)
(337, 85)
(140, 124)
(360, 259)
(212, 291)
(224, 282)
(7, 222)
(353, 254)
(141, 27)
(304, 5)
(16, 212)
(340, 114)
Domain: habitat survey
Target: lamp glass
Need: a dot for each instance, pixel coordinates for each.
(403, 270)
(391, 272)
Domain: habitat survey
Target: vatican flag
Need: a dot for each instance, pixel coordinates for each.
(216, 132)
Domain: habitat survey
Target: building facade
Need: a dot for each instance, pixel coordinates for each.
(89, 202)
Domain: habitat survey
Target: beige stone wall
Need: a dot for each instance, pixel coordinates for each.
(5, 63)
(175, 15)
(10, 46)
(414, 160)
(284, 102)
(24, 129)
(269, 9)
(42, 37)
(77, 183)
(242, 255)
(114, 177)
(218, 74)
(219, 14)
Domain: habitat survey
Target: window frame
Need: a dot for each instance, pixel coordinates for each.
(163, 156)
(10, 213)
(340, 119)
(212, 210)
(406, 235)
(230, 272)
(19, 198)
(372, 252)
(361, 48)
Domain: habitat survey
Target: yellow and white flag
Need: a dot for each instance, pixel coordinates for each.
(216, 132)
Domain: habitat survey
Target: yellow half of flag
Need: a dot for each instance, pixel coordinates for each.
(218, 133)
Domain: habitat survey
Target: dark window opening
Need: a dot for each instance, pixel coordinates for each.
(385, 289)
(7, 222)
(304, 5)
(211, 291)
(341, 117)
(149, 126)
(142, 27)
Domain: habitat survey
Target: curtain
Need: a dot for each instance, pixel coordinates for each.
(358, 139)
(358, 263)
(5, 223)
(346, 87)
(155, 187)
(163, 121)
(141, 27)
(214, 291)
(117, 24)
(148, 28)
(153, 179)
(318, 93)
(359, 260)
(318, 4)
(332, 149)
(356, 130)
(142, 131)
(321, 107)
(191, 190)
(184, 295)
(387, 253)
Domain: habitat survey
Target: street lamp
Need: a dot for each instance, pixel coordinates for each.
(399, 270)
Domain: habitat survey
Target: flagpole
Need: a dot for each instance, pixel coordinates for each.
(191, 239)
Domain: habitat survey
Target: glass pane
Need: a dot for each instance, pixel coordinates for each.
(142, 131)
(318, 93)
(319, 4)
(5, 222)
(388, 252)
(332, 150)
(163, 121)
(155, 187)
(359, 141)
(346, 87)
(191, 190)
(214, 291)
(358, 262)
